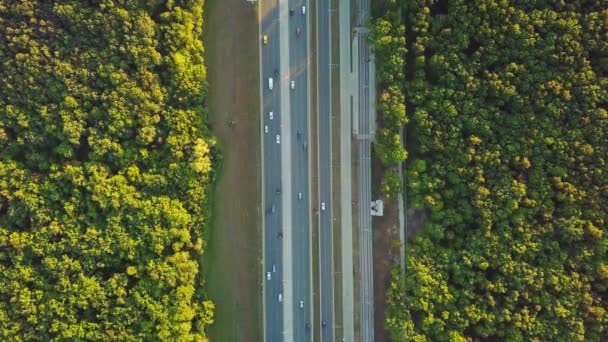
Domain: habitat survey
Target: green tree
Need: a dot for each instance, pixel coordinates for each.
(508, 114)
(105, 164)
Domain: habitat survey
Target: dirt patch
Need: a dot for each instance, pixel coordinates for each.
(386, 253)
(233, 249)
(415, 221)
(378, 7)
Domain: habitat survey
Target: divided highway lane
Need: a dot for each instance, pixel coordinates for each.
(299, 100)
(325, 182)
(270, 99)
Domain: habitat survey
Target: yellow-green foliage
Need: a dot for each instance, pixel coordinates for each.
(104, 165)
(388, 41)
(509, 114)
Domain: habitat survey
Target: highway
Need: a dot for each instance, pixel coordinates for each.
(299, 61)
(365, 231)
(326, 274)
(287, 248)
(271, 154)
(285, 57)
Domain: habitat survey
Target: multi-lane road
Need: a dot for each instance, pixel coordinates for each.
(271, 123)
(288, 203)
(284, 41)
(326, 274)
(300, 172)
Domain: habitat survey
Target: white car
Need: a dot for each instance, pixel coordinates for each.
(270, 83)
(301, 304)
(299, 195)
(280, 297)
(293, 84)
(303, 10)
(267, 275)
(270, 115)
(266, 129)
(274, 268)
(278, 139)
(322, 205)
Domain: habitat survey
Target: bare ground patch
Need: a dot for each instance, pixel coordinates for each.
(233, 252)
(415, 221)
(386, 253)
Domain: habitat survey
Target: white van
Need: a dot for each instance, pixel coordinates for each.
(270, 83)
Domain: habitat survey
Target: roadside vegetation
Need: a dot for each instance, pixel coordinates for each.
(105, 163)
(388, 42)
(509, 110)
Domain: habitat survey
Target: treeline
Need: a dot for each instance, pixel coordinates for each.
(387, 37)
(104, 167)
(511, 124)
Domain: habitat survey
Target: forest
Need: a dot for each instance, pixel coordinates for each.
(105, 166)
(508, 150)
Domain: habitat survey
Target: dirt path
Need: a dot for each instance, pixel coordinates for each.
(233, 249)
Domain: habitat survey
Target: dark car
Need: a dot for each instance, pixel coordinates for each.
(278, 192)
(280, 235)
(299, 135)
(323, 323)
(307, 326)
(291, 11)
(276, 72)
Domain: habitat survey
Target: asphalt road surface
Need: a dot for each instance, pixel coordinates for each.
(299, 102)
(273, 307)
(325, 182)
(365, 241)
